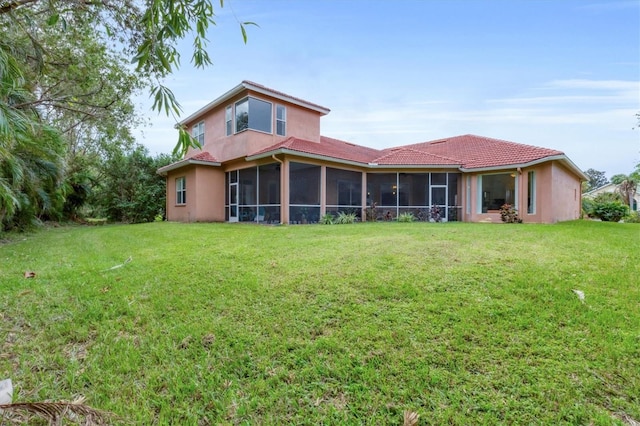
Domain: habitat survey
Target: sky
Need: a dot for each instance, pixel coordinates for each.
(561, 74)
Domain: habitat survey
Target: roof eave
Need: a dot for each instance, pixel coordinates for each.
(162, 171)
(248, 86)
(306, 155)
(561, 157)
(413, 166)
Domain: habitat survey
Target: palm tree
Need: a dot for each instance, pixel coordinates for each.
(31, 153)
(628, 185)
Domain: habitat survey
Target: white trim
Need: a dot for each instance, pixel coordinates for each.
(563, 158)
(248, 86)
(163, 170)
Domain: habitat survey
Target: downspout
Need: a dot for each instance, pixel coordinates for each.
(281, 186)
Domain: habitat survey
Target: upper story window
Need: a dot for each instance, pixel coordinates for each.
(198, 132)
(281, 120)
(254, 114)
(228, 120)
(181, 191)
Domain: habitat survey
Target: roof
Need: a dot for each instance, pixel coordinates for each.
(258, 88)
(327, 148)
(201, 158)
(479, 152)
(466, 152)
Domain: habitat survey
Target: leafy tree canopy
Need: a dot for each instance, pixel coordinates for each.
(39, 37)
(596, 179)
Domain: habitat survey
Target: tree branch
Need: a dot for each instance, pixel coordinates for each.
(14, 5)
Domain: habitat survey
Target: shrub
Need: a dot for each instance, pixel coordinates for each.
(371, 212)
(434, 214)
(327, 219)
(406, 217)
(345, 218)
(610, 211)
(632, 217)
(509, 215)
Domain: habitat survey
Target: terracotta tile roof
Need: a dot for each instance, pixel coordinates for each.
(408, 156)
(203, 156)
(327, 147)
(467, 151)
(476, 152)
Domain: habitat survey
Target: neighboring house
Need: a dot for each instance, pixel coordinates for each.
(264, 160)
(612, 187)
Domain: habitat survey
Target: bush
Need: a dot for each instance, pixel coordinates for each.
(610, 211)
(327, 219)
(509, 215)
(345, 218)
(406, 217)
(633, 217)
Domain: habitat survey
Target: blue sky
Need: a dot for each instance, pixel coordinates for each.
(562, 74)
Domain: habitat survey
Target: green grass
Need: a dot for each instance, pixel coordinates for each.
(349, 324)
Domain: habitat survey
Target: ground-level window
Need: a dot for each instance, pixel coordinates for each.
(181, 191)
(198, 132)
(497, 190)
(281, 120)
(531, 193)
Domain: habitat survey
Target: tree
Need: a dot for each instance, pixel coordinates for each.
(148, 35)
(129, 189)
(596, 179)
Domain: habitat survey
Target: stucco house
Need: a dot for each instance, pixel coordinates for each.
(612, 188)
(264, 160)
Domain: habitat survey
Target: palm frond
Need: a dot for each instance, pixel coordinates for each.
(56, 411)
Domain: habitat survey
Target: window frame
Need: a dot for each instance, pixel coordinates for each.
(197, 132)
(484, 196)
(247, 100)
(228, 120)
(531, 192)
(281, 120)
(181, 191)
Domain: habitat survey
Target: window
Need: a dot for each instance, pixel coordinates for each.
(198, 132)
(181, 191)
(254, 114)
(531, 193)
(281, 120)
(228, 119)
(497, 190)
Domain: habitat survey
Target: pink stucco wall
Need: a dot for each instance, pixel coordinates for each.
(557, 195)
(567, 201)
(205, 186)
(302, 123)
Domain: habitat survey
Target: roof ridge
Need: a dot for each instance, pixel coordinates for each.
(277, 92)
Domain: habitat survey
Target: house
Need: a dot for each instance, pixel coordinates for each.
(263, 159)
(612, 188)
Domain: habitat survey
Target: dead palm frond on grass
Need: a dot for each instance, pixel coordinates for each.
(55, 413)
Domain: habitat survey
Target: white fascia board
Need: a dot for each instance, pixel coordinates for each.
(562, 158)
(348, 162)
(163, 170)
(305, 155)
(248, 86)
(413, 166)
(208, 107)
(283, 97)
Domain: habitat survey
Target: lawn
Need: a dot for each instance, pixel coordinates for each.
(345, 324)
